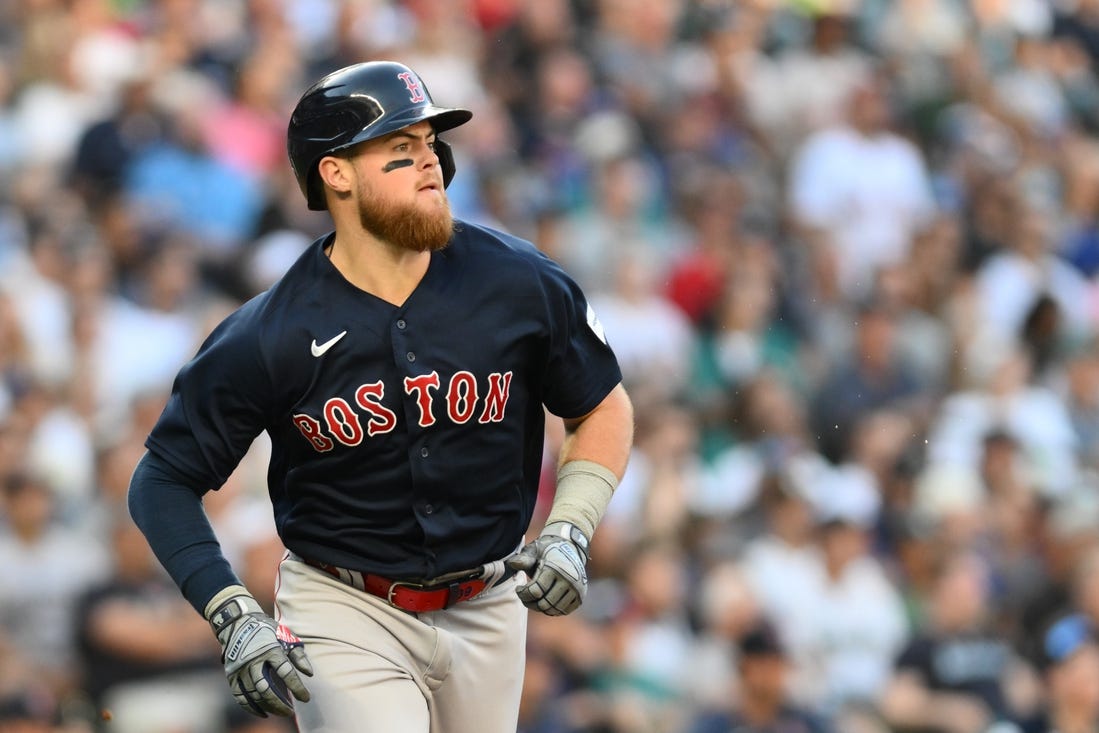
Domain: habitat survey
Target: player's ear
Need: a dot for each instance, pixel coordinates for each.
(335, 172)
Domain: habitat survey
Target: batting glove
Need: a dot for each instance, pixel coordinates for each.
(262, 660)
(555, 565)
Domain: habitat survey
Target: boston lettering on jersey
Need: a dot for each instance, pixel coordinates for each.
(461, 399)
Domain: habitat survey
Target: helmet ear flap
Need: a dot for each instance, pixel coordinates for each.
(446, 160)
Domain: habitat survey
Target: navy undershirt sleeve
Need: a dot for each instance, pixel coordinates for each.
(175, 524)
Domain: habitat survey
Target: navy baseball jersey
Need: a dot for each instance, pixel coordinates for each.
(394, 428)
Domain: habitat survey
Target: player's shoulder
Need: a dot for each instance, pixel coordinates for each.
(502, 254)
(513, 262)
(480, 240)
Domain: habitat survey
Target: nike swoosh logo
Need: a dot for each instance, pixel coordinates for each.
(319, 349)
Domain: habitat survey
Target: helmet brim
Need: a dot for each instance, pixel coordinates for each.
(441, 119)
(447, 119)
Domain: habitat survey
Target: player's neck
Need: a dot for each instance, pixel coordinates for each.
(384, 270)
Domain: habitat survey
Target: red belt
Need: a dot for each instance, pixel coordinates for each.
(411, 596)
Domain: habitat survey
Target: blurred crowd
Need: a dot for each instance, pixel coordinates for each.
(847, 252)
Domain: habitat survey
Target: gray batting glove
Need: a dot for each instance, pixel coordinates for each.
(262, 660)
(555, 565)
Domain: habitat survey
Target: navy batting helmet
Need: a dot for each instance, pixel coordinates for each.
(359, 103)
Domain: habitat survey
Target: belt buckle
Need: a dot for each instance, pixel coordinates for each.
(399, 584)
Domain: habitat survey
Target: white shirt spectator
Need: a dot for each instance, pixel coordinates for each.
(39, 587)
(138, 350)
(846, 634)
(868, 194)
(849, 621)
(652, 338)
(45, 319)
(1009, 284)
(62, 452)
(780, 575)
(49, 119)
(1034, 415)
(731, 483)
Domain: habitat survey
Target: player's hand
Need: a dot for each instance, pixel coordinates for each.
(262, 661)
(555, 564)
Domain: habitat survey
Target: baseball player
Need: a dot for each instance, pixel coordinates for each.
(401, 367)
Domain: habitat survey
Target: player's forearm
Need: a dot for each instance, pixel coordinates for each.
(603, 436)
(177, 529)
(593, 459)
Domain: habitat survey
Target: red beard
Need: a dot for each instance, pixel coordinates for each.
(407, 225)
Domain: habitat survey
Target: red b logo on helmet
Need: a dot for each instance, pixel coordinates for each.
(415, 91)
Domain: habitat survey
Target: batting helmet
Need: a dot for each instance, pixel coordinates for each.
(359, 103)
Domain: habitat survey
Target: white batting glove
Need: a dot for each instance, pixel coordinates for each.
(262, 660)
(555, 564)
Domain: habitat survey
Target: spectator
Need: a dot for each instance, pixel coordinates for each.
(783, 562)
(651, 641)
(540, 708)
(624, 216)
(710, 206)
(919, 295)
(763, 435)
(106, 148)
(746, 332)
(922, 37)
(652, 501)
(763, 702)
(726, 610)
(1069, 542)
(652, 338)
(1080, 24)
(52, 110)
(951, 502)
(872, 377)
(14, 366)
(25, 711)
(1080, 391)
(1070, 671)
(859, 214)
(1013, 517)
(851, 623)
(1010, 283)
(808, 85)
(1029, 91)
(1003, 397)
(535, 70)
(34, 282)
(152, 680)
(247, 130)
(46, 565)
(634, 47)
(955, 673)
(181, 184)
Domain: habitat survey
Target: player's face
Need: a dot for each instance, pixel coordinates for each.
(400, 190)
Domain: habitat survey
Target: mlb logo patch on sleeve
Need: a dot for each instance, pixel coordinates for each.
(595, 325)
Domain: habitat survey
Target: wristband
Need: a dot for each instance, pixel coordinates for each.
(218, 616)
(584, 489)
